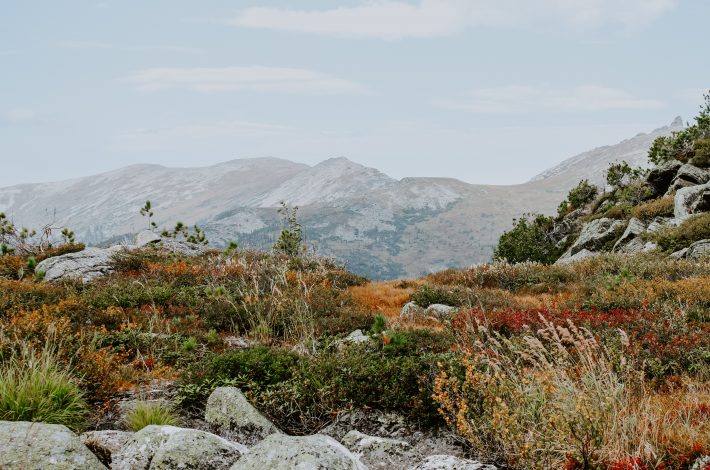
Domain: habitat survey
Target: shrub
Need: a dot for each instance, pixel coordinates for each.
(528, 240)
(691, 230)
(582, 194)
(702, 153)
(146, 413)
(661, 207)
(428, 294)
(36, 387)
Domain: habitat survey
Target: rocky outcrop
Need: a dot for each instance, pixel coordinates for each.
(689, 175)
(86, 265)
(411, 310)
(661, 177)
(281, 452)
(699, 249)
(105, 444)
(146, 237)
(448, 462)
(596, 234)
(379, 453)
(230, 411)
(26, 445)
(170, 447)
(580, 255)
(630, 241)
(686, 199)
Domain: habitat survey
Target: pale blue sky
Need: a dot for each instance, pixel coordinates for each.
(488, 91)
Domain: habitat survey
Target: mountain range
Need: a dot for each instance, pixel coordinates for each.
(378, 226)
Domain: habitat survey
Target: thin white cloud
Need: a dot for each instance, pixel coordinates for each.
(397, 19)
(523, 99)
(225, 79)
(123, 47)
(19, 116)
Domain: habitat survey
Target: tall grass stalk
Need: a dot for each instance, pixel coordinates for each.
(37, 387)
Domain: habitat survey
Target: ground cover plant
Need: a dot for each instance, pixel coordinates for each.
(604, 363)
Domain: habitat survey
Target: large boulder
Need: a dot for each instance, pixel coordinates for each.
(411, 310)
(105, 444)
(379, 453)
(686, 198)
(86, 265)
(661, 176)
(26, 445)
(449, 462)
(692, 174)
(630, 241)
(230, 411)
(699, 249)
(168, 447)
(440, 312)
(596, 234)
(568, 258)
(316, 452)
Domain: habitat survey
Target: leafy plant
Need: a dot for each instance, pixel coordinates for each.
(528, 240)
(291, 238)
(146, 211)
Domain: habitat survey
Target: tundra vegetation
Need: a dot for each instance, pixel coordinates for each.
(599, 364)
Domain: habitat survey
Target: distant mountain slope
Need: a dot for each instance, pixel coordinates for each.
(592, 164)
(379, 226)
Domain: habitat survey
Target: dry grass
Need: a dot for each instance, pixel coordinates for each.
(560, 399)
(384, 298)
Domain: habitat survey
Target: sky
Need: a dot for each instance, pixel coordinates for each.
(486, 91)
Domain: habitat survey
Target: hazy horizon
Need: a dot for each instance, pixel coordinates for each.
(488, 92)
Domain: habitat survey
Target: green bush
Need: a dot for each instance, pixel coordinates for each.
(582, 194)
(146, 413)
(38, 388)
(528, 240)
(428, 294)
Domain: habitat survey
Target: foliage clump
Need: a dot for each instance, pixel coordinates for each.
(528, 240)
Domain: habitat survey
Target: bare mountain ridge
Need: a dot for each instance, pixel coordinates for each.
(379, 226)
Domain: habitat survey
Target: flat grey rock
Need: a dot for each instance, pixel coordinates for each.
(25, 446)
(316, 452)
(230, 411)
(87, 265)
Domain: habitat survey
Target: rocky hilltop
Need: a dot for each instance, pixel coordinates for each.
(379, 226)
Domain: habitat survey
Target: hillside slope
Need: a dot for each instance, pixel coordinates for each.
(379, 226)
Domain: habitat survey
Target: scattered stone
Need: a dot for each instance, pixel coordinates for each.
(236, 342)
(411, 310)
(649, 246)
(181, 247)
(168, 447)
(595, 234)
(146, 237)
(356, 337)
(373, 422)
(699, 249)
(26, 445)
(379, 453)
(104, 444)
(440, 312)
(660, 222)
(316, 452)
(685, 198)
(87, 265)
(660, 177)
(692, 174)
(230, 411)
(630, 242)
(567, 258)
(449, 462)
(678, 254)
